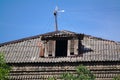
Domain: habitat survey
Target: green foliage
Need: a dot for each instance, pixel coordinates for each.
(117, 77)
(4, 68)
(68, 76)
(82, 74)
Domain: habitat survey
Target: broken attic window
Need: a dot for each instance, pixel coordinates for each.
(41, 47)
(72, 47)
(50, 48)
(61, 48)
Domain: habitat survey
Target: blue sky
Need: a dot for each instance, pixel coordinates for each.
(24, 18)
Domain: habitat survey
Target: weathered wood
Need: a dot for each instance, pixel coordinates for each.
(50, 48)
(101, 70)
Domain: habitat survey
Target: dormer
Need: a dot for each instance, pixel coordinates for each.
(61, 44)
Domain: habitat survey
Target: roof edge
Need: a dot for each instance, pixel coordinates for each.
(19, 40)
(37, 36)
(27, 38)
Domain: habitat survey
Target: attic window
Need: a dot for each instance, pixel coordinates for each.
(41, 46)
(61, 48)
(72, 47)
(50, 46)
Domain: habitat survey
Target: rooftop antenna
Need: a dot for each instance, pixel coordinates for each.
(55, 14)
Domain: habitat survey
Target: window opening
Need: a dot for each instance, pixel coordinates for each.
(61, 48)
(41, 47)
(50, 48)
(72, 47)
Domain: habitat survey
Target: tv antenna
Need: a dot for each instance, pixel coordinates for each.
(55, 14)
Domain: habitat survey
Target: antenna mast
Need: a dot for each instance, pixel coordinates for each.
(56, 25)
(55, 14)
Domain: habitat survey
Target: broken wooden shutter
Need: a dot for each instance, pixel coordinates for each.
(76, 47)
(50, 48)
(72, 47)
(41, 46)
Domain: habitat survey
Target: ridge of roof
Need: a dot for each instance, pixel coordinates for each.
(59, 32)
(51, 33)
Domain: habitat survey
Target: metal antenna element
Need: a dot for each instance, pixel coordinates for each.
(55, 14)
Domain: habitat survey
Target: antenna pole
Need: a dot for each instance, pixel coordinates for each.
(56, 25)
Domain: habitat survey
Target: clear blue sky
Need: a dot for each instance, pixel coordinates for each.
(24, 18)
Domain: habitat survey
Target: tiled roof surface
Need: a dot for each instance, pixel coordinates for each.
(27, 50)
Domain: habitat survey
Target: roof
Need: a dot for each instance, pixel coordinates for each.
(26, 50)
